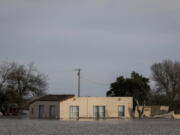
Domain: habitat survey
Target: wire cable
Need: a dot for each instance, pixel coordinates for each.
(95, 82)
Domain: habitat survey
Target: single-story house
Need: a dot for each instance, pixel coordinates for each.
(153, 110)
(72, 107)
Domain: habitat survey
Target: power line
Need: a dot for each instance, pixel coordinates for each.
(59, 70)
(95, 82)
(78, 70)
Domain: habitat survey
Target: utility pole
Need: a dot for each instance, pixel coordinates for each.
(79, 79)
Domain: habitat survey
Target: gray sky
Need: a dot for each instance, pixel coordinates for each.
(106, 38)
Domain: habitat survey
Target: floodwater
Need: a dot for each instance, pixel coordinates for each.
(102, 127)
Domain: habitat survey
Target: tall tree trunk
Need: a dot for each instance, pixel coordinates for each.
(140, 110)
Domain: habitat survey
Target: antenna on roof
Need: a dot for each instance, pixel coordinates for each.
(79, 79)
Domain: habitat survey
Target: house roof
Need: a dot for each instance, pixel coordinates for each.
(52, 98)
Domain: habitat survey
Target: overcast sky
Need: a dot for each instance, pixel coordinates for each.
(105, 38)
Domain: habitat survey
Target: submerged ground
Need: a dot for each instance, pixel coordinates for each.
(106, 127)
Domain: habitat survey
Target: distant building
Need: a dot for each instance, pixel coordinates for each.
(176, 114)
(150, 111)
(72, 107)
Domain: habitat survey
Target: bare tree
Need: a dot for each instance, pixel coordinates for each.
(5, 69)
(17, 82)
(139, 109)
(27, 80)
(167, 77)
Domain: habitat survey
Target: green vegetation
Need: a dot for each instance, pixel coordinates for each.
(166, 76)
(136, 86)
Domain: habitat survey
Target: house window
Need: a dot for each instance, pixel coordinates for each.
(32, 111)
(41, 111)
(52, 111)
(99, 112)
(74, 112)
(121, 110)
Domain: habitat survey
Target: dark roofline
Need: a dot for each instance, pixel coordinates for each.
(52, 97)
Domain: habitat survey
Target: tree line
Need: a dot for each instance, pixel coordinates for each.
(20, 82)
(166, 91)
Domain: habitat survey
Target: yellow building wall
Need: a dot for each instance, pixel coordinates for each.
(86, 106)
(156, 110)
(176, 116)
(34, 109)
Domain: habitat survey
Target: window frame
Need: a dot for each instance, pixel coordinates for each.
(50, 115)
(123, 112)
(74, 115)
(43, 111)
(97, 114)
(32, 111)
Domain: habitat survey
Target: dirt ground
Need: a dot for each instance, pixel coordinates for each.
(103, 127)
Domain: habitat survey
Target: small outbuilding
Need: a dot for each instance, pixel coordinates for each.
(153, 110)
(72, 107)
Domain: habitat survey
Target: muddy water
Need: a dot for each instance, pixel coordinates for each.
(104, 127)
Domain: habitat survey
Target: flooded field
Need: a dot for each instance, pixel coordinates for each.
(106, 127)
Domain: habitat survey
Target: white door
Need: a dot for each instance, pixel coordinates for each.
(101, 111)
(121, 110)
